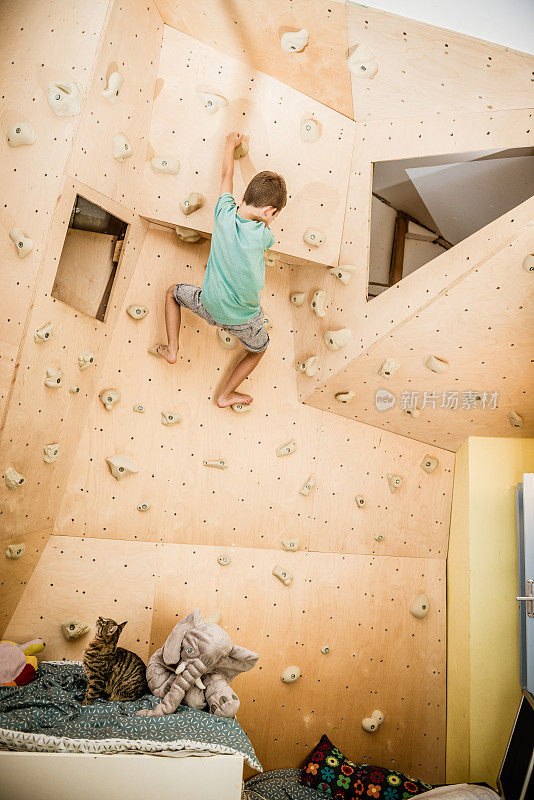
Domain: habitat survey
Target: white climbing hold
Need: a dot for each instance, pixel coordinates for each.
(86, 360)
(437, 364)
(191, 203)
(528, 262)
(344, 272)
(74, 389)
(44, 333)
(372, 723)
(241, 408)
(378, 537)
(314, 237)
(224, 560)
(212, 102)
(137, 312)
(226, 339)
(217, 463)
(298, 298)
(335, 340)
(294, 41)
(282, 574)
(14, 479)
(290, 675)
(412, 412)
(420, 606)
(309, 366)
(310, 130)
(54, 378)
(287, 448)
(65, 98)
(143, 506)
(308, 486)
(139, 409)
(388, 367)
(268, 323)
(318, 303)
(121, 466)
(110, 398)
(291, 544)
(22, 242)
(241, 149)
(394, 481)
(170, 166)
(325, 649)
(21, 133)
(73, 628)
(50, 453)
(111, 92)
(188, 234)
(515, 419)
(344, 397)
(15, 550)
(362, 62)
(170, 417)
(429, 463)
(122, 149)
(360, 501)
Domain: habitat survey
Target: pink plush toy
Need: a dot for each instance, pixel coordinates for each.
(18, 665)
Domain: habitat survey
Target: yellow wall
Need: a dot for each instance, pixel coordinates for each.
(483, 666)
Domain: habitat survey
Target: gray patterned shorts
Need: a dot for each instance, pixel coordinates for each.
(252, 334)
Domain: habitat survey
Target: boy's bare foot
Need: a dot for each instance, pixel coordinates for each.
(225, 400)
(165, 352)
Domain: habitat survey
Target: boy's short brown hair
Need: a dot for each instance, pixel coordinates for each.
(266, 189)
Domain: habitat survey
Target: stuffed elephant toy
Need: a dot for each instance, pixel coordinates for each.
(195, 667)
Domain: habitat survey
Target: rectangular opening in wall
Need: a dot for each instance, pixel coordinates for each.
(424, 206)
(89, 258)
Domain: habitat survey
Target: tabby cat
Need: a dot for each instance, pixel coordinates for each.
(112, 672)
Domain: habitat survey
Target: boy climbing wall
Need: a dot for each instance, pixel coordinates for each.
(235, 274)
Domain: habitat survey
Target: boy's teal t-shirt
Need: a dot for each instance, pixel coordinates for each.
(235, 274)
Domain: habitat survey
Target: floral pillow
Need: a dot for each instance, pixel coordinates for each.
(329, 772)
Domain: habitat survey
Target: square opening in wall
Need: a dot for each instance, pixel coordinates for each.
(422, 207)
(89, 258)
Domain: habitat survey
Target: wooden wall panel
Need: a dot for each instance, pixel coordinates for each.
(267, 111)
(250, 31)
(16, 573)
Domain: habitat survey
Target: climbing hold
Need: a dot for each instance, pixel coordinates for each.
(15, 550)
(122, 149)
(290, 675)
(44, 333)
(362, 62)
(335, 340)
(528, 261)
(218, 463)
(110, 398)
(313, 237)
(240, 408)
(21, 133)
(429, 463)
(420, 606)
(51, 452)
(212, 102)
(65, 98)
(388, 367)
(344, 397)
(325, 649)
(154, 350)
(241, 149)
(111, 92)
(191, 203)
(228, 340)
(14, 479)
(270, 259)
(298, 298)
(317, 303)
(143, 506)
(54, 378)
(268, 323)
(291, 544)
(413, 412)
(395, 482)
(294, 41)
(310, 130)
(22, 242)
(166, 165)
(121, 466)
(282, 574)
(187, 234)
(437, 364)
(372, 723)
(139, 408)
(224, 560)
(344, 273)
(86, 360)
(170, 417)
(137, 312)
(360, 501)
(74, 389)
(515, 419)
(73, 628)
(308, 486)
(378, 537)
(309, 366)
(287, 448)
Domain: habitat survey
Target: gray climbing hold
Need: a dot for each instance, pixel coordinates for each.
(188, 234)
(137, 312)
(344, 397)
(169, 166)
(294, 41)
(15, 551)
(412, 412)
(372, 723)
(378, 537)
(191, 203)
(143, 506)
(388, 367)
(212, 102)
(429, 463)
(314, 237)
(44, 333)
(291, 544)
(241, 408)
(308, 486)
(139, 409)
(226, 339)
(224, 559)
(74, 627)
(298, 298)
(515, 419)
(420, 606)
(283, 575)
(121, 466)
(170, 417)
(362, 62)
(325, 649)
(268, 323)
(217, 463)
(122, 149)
(86, 360)
(21, 133)
(290, 674)
(270, 259)
(343, 273)
(13, 479)
(65, 98)
(437, 364)
(110, 398)
(394, 481)
(54, 378)
(74, 390)
(111, 92)
(287, 448)
(528, 263)
(335, 340)
(318, 303)
(23, 243)
(360, 501)
(50, 453)
(309, 367)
